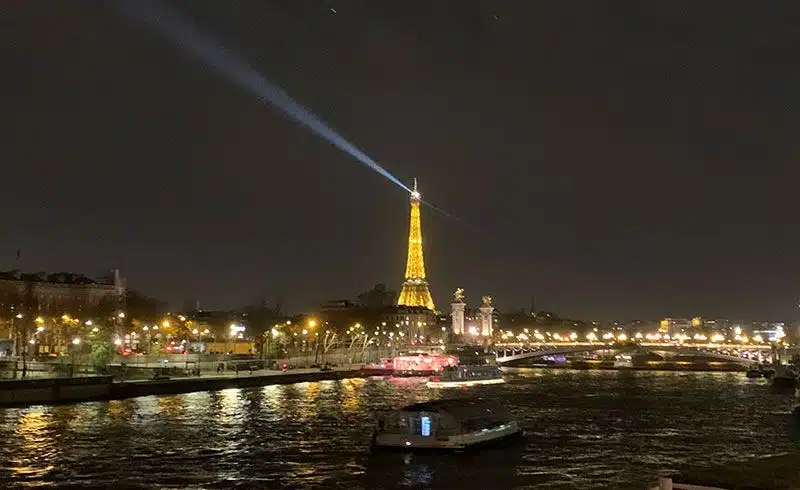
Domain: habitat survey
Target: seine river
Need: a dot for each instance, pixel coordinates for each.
(602, 429)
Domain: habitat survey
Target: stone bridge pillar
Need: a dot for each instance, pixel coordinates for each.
(458, 317)
(486, 320)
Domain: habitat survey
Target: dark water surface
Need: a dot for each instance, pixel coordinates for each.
(587, 429)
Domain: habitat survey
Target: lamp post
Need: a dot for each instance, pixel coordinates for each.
(146, 330)
(311, 325)
(119, 320)
(196, 334)
(274, 335)
(23, 348)
(76, 342)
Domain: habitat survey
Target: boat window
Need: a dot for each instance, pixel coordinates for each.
(425, 426)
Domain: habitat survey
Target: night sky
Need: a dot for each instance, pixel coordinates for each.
(622, 160)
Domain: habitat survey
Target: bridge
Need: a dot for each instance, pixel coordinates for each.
(745, 354)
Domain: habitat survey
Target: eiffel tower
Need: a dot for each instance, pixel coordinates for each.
(415, 288)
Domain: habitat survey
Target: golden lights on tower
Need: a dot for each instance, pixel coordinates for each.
(415, 287)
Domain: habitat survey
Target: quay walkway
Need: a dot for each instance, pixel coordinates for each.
(38, 391)
(242, 379)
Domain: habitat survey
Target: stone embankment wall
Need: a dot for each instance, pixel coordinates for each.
(54, 390)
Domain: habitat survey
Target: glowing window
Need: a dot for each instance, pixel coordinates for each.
(425, 426)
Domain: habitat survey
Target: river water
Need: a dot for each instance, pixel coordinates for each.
(587, 429)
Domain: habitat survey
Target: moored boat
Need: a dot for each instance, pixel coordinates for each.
(456, 376)
(413, 364)
(754, 373)
(447, 424)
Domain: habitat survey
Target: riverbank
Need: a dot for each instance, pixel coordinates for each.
(770, 473)
(23, 392)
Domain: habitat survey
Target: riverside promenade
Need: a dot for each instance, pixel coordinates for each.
(38, 391)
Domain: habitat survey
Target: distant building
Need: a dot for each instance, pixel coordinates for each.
(412, 323)
(717, 325)
(420, 317)
(671, 326)
(514, 321)
(769, 330)
(217, 322)
(338, 305)
(343, 313)
(720, 325)
(60, 293)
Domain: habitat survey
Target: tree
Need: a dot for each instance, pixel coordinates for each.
(378, 297)
(324, 343)
(144, 308)
(102, 353)
(260, 320)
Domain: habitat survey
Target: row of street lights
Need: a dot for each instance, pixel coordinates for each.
(594, 336)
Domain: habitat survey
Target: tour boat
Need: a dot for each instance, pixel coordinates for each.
(446, 424)
(414, 364)
(754, 373)
(456, 376)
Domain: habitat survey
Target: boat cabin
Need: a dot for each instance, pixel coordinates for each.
(428, 424)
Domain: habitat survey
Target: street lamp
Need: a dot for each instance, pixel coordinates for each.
(75, 343)
(196, 333)
(146, 330)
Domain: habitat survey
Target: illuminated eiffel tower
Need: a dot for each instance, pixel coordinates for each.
(415, 288)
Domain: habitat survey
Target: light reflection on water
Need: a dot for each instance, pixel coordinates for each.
(586, 429)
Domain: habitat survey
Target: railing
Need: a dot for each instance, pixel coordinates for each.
(527, 353)
(514, 352)
(672, 344)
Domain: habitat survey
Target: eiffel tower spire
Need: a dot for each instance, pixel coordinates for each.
(415, 288)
